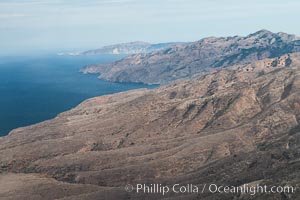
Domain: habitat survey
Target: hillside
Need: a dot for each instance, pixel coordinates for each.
(185, 60)
(233, 126)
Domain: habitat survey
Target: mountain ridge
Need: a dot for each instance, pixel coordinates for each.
(129, 48)
(185, 60)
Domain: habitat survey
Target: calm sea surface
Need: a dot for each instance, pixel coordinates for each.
(34, 89)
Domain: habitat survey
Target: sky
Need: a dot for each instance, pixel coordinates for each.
(77, 25)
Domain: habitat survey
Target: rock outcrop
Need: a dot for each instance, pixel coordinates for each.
(233, 126)
(185, 60)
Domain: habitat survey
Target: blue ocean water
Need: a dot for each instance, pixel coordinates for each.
(37, 88)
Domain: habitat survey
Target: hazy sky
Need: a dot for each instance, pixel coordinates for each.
(58, 25)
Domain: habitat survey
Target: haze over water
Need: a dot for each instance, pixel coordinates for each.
(37, 88)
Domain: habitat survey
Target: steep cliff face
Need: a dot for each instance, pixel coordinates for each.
(233, 126)
(186, 60)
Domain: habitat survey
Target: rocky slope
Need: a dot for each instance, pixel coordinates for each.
(185, 60)
(233, 126)
(129, 48)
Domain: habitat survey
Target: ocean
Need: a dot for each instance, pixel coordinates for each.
(37, 88)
